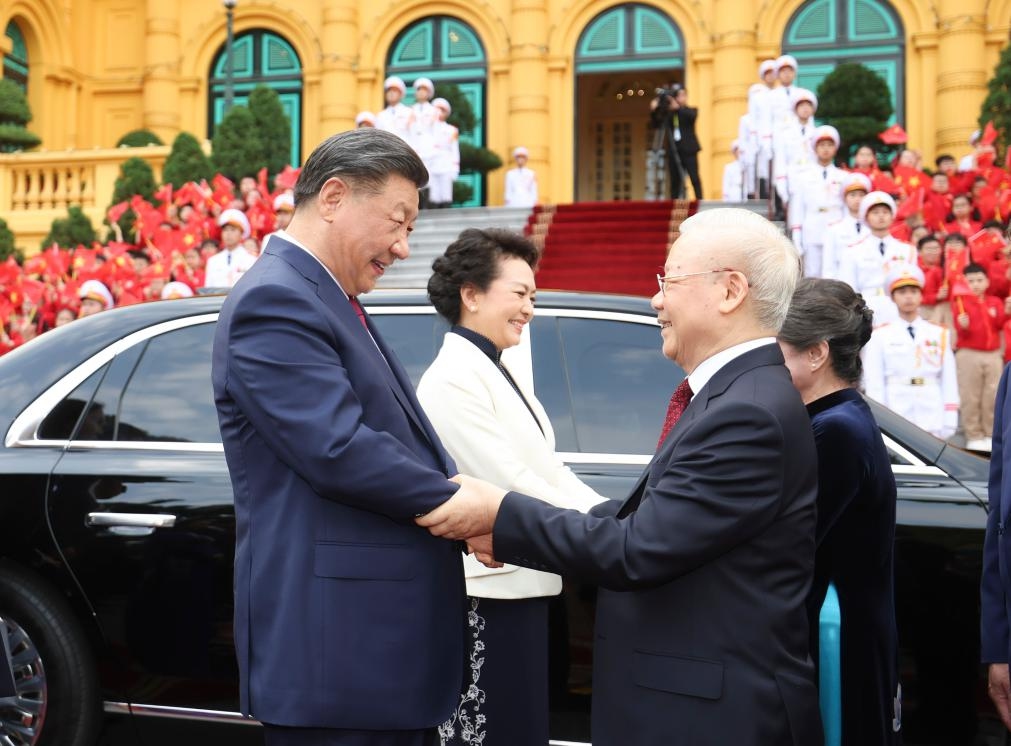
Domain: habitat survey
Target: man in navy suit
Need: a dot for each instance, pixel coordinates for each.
(349, 619)
(701, 632)
(995, 640)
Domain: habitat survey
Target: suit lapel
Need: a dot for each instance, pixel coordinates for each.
(764, 355)
(334, 298)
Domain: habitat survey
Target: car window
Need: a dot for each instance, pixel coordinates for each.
(620, 384)
(59, 424)
(550, 384)
(415, 338)
(99, 422)
(169, 395)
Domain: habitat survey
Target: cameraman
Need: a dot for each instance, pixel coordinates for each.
(669, 110)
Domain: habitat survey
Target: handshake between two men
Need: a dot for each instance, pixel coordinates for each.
(468, 515)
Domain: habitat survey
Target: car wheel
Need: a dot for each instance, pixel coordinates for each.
(57, 689)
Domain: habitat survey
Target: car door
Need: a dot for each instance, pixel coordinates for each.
(141, 506)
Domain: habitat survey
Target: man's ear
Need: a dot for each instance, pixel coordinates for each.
(334, 193)
(735, 291)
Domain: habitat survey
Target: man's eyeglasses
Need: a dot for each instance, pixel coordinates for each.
(665, 282)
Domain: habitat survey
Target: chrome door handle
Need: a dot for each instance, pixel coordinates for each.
(131, 520)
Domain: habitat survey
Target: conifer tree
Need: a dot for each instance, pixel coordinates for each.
(135, 177)
(138, 139)
(997, 104)
(237, 147)
(186, 162)
(15, 114)
(7, 243)
(856, 101)
(70, 231)
(274, 127)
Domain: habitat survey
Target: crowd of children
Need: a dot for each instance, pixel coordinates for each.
(198, 236)
(927, 251)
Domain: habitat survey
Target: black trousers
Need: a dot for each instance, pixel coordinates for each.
(279, 735)
(690, 165)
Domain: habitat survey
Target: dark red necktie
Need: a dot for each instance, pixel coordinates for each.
(358, 310)
(678, 404)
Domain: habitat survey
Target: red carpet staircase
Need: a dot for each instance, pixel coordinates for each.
(612, 247)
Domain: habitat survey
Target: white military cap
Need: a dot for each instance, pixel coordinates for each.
(826, 132)
(443, 104)
(238, 218)
(520, 150)
(97, 291)
(394, 82)
(424, 83)
(904, 275)
(786, 60)
(365, 116)
(876, 198)
(803, 94)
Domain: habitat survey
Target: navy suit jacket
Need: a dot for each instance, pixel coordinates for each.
(347, 614)
(702, 635)
(996, 609)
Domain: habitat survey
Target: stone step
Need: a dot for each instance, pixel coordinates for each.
(437, 229)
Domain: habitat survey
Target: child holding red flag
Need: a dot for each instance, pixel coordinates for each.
(979, 319)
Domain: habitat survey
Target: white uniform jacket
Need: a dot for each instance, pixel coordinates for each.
(815, 202)
(838, 237)
(520, 187)
(226, 267)
(792, 148)
(491, 435)
(398, 119)
(865, 266)
(914, 376)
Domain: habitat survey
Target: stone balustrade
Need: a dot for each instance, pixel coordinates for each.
(38, 187)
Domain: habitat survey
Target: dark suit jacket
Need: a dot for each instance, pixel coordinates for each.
(686, 118)
(347, 614)
(996, 583)
(701, 637)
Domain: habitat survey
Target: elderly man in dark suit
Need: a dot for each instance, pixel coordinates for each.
(995, 617)
(702, 632)
(349, 619)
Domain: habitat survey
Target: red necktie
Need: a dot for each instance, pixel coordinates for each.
(358, 310)
(678, 404)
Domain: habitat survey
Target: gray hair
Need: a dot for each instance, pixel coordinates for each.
(748, 242)
(365, 158)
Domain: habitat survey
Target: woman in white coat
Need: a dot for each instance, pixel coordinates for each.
(492, 424)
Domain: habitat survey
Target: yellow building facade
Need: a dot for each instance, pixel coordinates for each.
(568, 79)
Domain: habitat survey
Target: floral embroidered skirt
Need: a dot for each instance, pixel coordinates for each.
(505, 701)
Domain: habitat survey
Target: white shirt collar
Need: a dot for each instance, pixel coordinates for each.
(292, 240)
(709, 367)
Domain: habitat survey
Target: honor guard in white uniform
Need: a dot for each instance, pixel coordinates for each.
(791, 141)
(226, 267)
(734, 175)
(521, 182)
(908, 363)
(397, 117)
(865, 264)
(816, 199)
(425, 117)
(759, 137)
(781, 98)
(445, 157)
(849, 228)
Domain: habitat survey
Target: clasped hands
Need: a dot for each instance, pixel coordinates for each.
(468, 515)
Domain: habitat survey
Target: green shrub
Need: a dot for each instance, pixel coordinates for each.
(186, 162)
(139, 139)
(15, 114)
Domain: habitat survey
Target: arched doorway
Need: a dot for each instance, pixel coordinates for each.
(16, 63)
(259, 57)
(824, 33)
(446, 50)
(622, 57)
